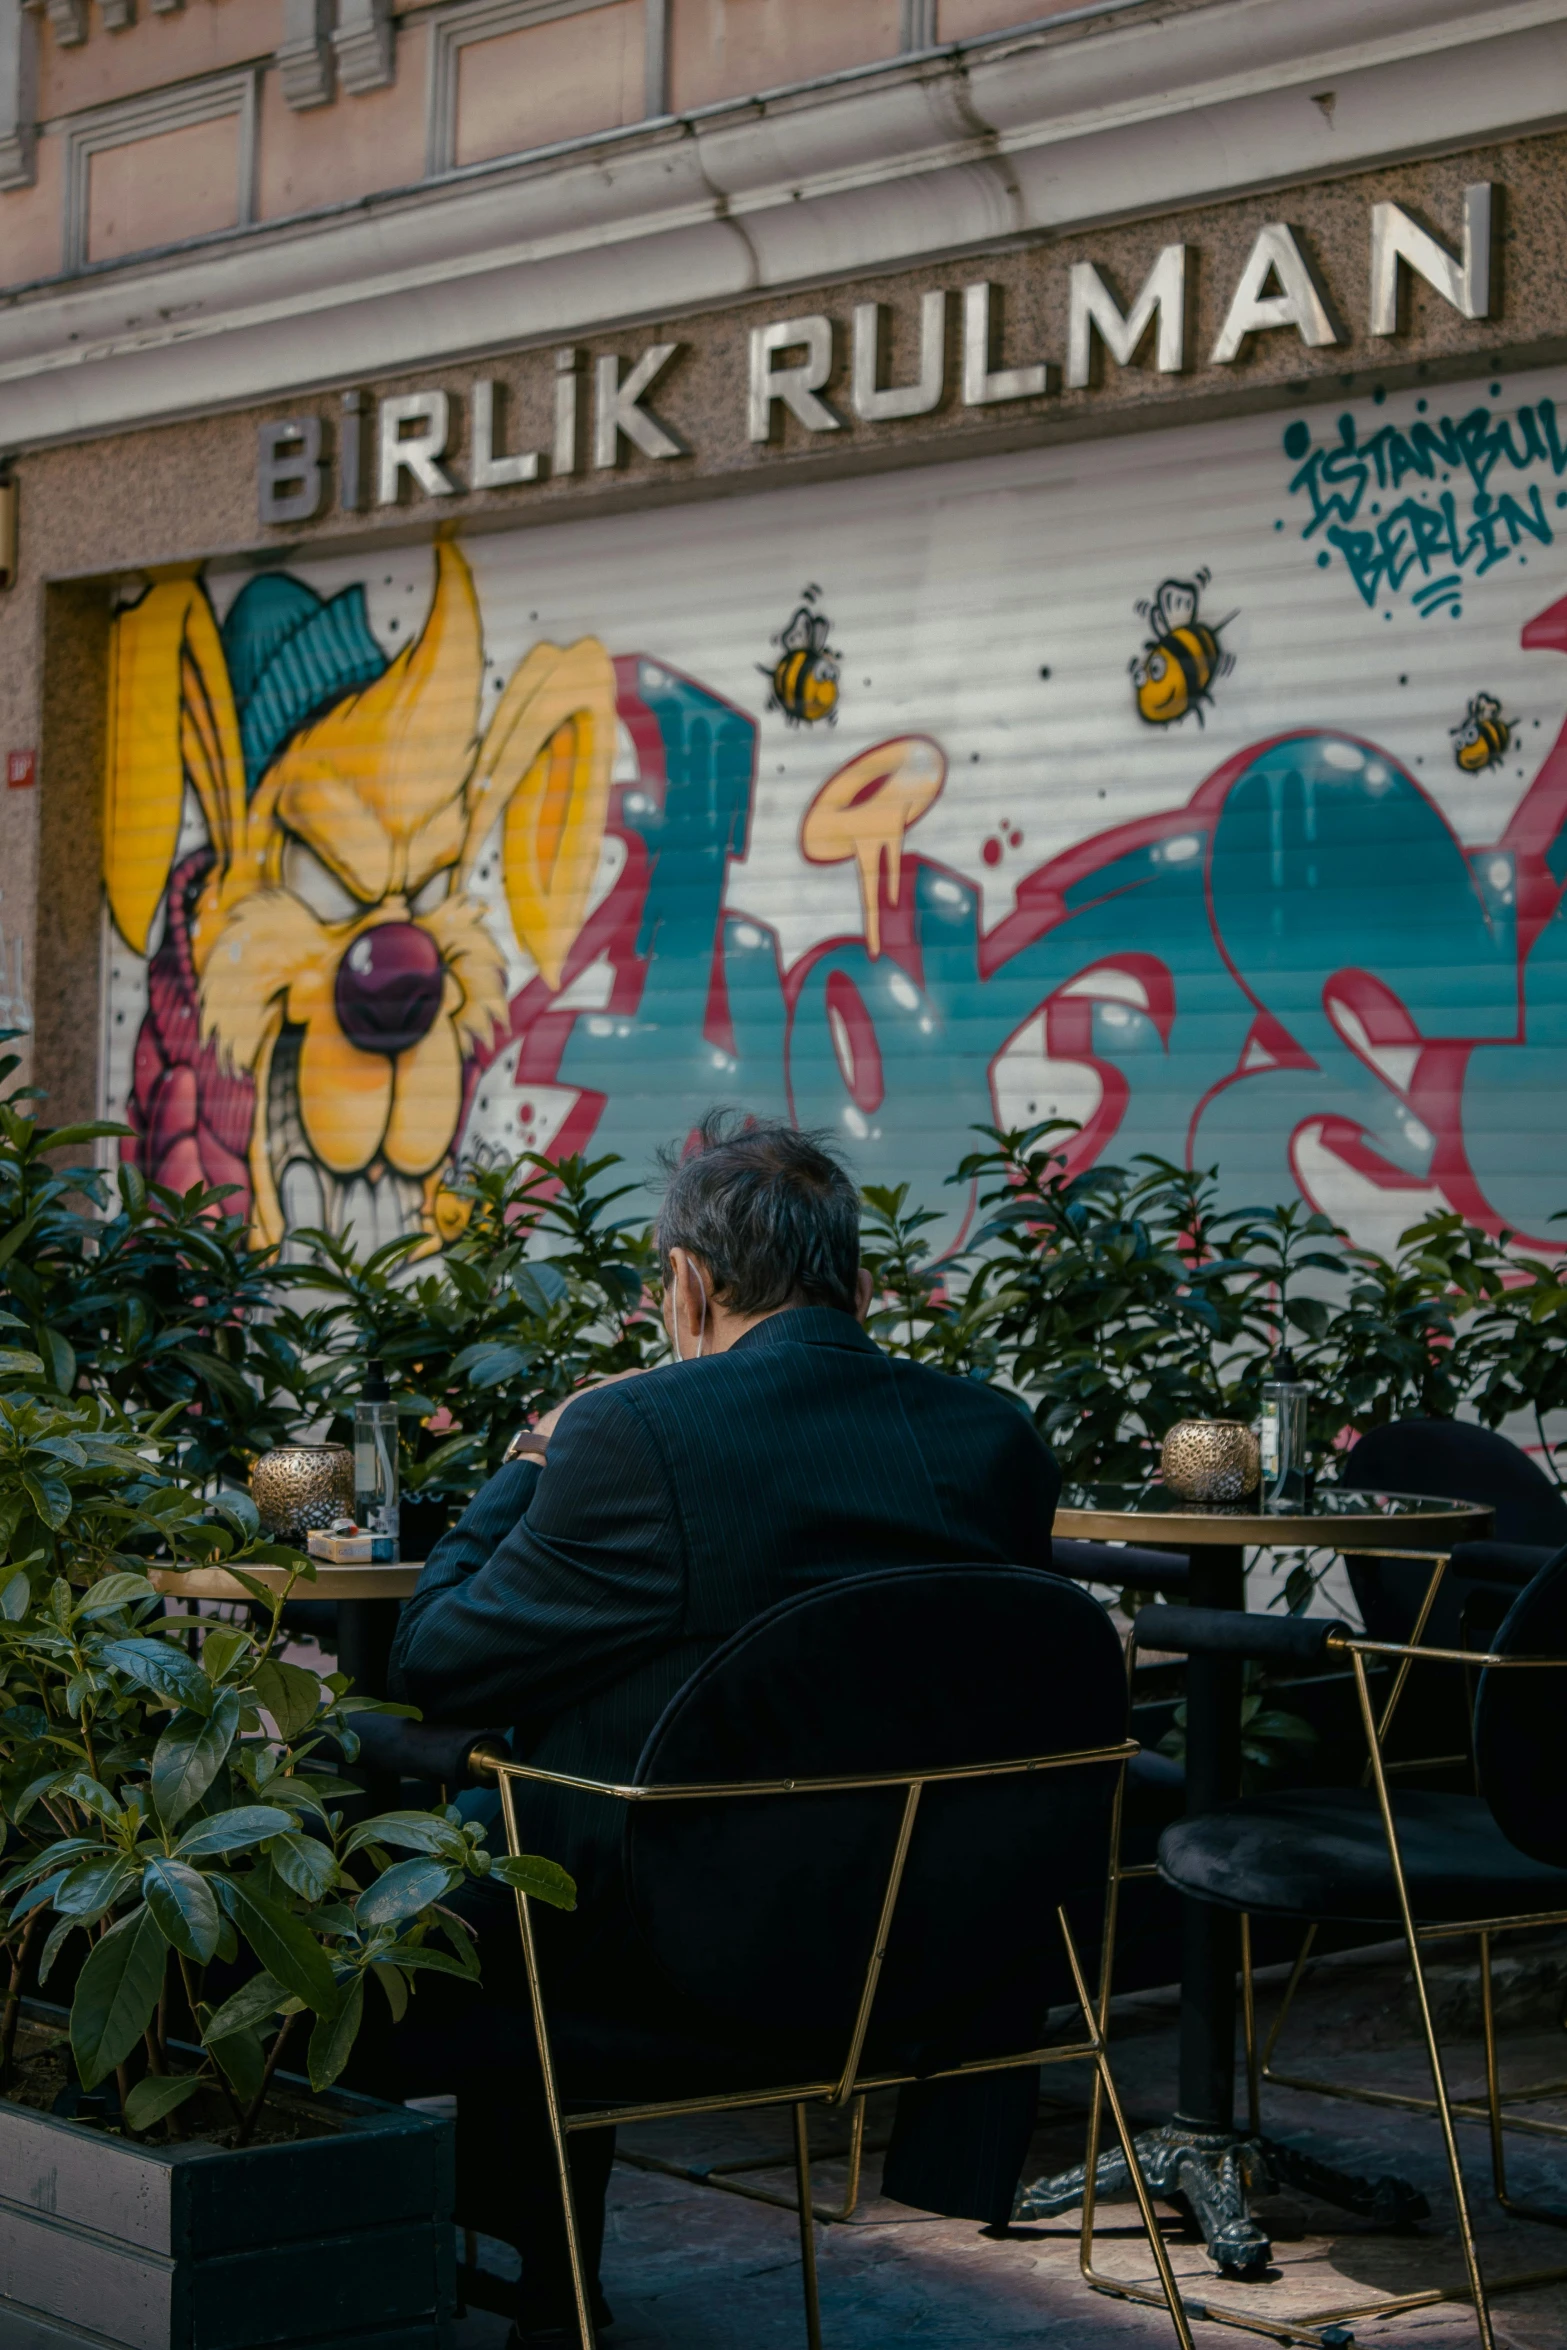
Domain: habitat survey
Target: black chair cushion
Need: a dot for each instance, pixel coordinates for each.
(764, 1910)
(1521, 1722)
(1321, 1853)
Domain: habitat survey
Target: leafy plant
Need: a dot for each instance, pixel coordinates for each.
(1272, 1738)
(143, 1295)
(928, 1310)
(1121, 1300)
(543, 1290)
(168, 1792)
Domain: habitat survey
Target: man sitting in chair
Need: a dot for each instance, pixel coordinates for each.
(650, 1518)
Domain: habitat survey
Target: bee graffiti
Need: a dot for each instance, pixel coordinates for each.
(1482, 738)
(804, 679)
(1175, 671)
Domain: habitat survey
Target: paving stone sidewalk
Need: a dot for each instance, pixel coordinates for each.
(687, 2268)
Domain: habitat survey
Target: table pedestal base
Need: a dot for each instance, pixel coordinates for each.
(1212, 2172)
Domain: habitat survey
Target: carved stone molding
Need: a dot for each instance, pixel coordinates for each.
(304, 54)
(482, 20)
(18, 95)
(364, 42)
(68, 22)
(918, 26)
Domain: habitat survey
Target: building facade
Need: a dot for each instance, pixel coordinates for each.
(579, 559)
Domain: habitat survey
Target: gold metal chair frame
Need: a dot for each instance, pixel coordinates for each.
(850, 2084)
(1309, 2329)
(721, 2174)
(1488, 2106)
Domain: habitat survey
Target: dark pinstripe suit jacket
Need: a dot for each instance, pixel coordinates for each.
(572, 1602)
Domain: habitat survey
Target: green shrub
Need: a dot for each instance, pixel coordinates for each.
(165, 1794)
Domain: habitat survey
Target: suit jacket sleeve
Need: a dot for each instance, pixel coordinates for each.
(1033, 1481)
(585, 1580)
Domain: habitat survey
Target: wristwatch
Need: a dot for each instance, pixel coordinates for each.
(527, 1445)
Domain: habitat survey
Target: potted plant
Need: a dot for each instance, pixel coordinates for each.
(174, 1832)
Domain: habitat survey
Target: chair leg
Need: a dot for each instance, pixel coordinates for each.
(1493, 2086)
(851, 2192)
(1249, 2026)
(1455, 2166)
(530, 1955)
(1105, 2080)
(1290, 1989)
(1482, 2308)
(802, 2176)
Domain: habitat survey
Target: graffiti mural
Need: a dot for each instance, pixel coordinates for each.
(508, 847)
(324, 976)
(804, 678)
(1173, 675)
(1454, 520)
(1483, 736)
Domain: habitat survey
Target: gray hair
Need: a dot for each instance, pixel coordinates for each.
(770, 1212)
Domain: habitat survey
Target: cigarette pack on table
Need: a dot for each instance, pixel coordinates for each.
(354, 1549)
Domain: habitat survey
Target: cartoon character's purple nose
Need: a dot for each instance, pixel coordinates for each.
(389, 987)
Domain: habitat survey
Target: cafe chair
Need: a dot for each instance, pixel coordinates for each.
(846, 1859)
(1427, 1865)
(1453, 1460)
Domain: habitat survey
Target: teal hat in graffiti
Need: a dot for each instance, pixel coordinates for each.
(291, 654)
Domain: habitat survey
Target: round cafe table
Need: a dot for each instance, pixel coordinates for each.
(1193, 2154)
(366, 1597)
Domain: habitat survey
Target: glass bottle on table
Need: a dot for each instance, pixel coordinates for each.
(375, 1457)
(1281, 1436)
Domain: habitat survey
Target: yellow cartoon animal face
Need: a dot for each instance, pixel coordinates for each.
(1162, 691)
(341, 961)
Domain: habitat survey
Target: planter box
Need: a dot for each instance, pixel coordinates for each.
(341, 2242)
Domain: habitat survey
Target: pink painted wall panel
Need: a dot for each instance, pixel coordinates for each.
(727, 48)
(156, 191)
(557, 80)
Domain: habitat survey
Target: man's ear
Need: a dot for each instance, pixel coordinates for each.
(864, 1291)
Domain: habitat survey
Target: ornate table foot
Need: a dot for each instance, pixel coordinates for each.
(1211, 2172)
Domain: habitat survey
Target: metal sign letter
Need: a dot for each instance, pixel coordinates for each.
(1092, 305)
(290, 477)
(879, 404)
(981, 383)
(1465, 283)
(416, 455)
(797, 386)
(617, 412)
(1275, 254)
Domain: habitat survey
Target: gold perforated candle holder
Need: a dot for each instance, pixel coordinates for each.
(1210, 1460)
(300, 1486)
